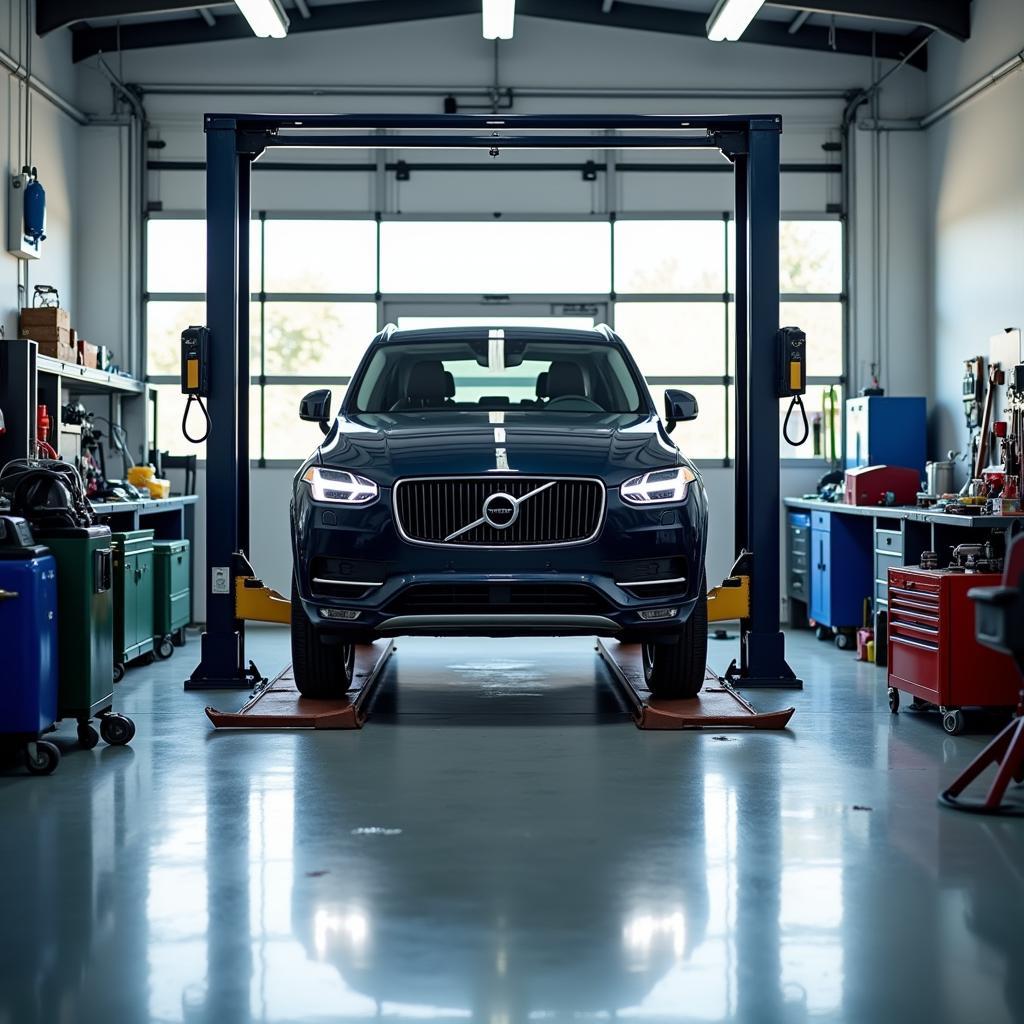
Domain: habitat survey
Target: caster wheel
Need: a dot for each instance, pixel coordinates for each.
(953, 722)
(894, 699)
(118, 672)
(42, 758)
(164, 648)
(179, 638)
(148, 658)
(117, 730)
(822, 633)
(88, 737)
(844, 641)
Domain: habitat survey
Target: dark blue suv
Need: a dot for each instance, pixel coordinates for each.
(498, 482)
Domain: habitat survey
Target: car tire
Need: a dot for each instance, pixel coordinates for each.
(321, 670)
(675, 671)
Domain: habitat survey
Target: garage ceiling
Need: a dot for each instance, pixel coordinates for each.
(888, 28)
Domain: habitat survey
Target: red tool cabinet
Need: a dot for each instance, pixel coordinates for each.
(933, 653)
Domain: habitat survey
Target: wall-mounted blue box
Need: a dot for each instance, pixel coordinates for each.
(884, 431)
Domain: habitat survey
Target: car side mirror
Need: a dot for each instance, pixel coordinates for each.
(680, 406)
(316, 408)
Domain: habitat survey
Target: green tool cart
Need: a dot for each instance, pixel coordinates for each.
(85, 621)
(171, 592)
(133, 598)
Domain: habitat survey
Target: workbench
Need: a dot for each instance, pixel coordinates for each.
(866, 543)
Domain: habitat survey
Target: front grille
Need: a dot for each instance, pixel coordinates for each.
(566, 512)
(498, 598)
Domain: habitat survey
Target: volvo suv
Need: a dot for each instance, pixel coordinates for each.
(498, 482)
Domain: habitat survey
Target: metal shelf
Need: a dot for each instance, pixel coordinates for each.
(84, 380)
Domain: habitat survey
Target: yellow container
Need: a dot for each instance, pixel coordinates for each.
(145, 477)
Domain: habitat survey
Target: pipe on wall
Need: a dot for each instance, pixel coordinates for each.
(17, 70)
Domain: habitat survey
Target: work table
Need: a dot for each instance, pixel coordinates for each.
(910, 513)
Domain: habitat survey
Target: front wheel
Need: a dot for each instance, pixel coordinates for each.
(675, 670)
(321, 670)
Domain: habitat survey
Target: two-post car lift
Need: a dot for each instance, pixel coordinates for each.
(750, 142)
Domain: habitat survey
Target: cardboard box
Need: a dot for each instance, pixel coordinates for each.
(88, 354)
(58, 350)
(37, 333)
(44, 316)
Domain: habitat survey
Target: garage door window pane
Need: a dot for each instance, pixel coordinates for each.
(286, 436)
(166, 320)
(495, 258)
(704, 437)
(682, 339)
(321, 256)
(176, 256)
(822, 322)
(328, 338)
(669, 256)
(811, 256)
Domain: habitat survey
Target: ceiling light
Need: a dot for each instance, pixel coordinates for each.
(499, 18)
(730, 18)
(265, 17)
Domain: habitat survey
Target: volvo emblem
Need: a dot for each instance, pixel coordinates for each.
(500, 510)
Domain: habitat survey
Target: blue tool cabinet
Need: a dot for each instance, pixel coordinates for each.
(28, 627)
(841, 568)
(884, 431)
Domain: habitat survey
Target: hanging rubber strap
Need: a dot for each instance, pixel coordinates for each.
(184, 420)
(798, 403)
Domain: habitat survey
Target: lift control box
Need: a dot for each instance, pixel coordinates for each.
(792, 376)
(195, 361)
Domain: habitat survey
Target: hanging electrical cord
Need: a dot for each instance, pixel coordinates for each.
(184, 420)
(796, 403)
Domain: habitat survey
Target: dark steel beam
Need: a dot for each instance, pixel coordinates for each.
(952, 17)
(54, 14)
(90, 41)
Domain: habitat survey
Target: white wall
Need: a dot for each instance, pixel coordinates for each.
(976, 205)
(449, 53)
(55, 142)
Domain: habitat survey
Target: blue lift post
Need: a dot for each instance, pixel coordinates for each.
(751, 142)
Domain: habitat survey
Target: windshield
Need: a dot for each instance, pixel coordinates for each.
(495, 373)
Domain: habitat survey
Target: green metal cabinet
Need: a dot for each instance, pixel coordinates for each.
(133, 597)
(172, 590)
(85, 617)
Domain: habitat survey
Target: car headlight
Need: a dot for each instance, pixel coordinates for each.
(340, 486)
(658, 486)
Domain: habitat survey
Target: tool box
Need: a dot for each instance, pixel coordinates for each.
(28, 625)
(85, 647)
(133, 597)
(933, 653)
(172, 594)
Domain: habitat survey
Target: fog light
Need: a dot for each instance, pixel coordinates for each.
(345, 614)
(650, 614)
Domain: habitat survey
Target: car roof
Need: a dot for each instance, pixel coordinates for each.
(600, 333)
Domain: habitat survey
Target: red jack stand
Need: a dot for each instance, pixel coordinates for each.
(1006, 751)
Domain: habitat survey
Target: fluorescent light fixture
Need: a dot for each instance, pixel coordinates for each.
(499, 18)
(730, 18)
(265, 17)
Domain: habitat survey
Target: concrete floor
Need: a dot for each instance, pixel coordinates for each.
(500, 844)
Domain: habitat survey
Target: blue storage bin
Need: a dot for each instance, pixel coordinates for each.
(28, 626)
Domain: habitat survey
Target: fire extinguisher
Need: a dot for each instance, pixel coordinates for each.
(34, 216)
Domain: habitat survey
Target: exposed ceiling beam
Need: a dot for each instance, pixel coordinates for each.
(54, 14)
(89, 41)
(953, 17)
(798, 22)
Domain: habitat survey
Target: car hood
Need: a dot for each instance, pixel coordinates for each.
(389, 446)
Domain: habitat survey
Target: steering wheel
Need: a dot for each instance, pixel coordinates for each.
(580, 402)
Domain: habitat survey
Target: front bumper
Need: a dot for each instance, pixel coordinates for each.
(354, 562)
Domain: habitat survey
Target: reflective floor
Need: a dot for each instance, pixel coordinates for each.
(500, 844)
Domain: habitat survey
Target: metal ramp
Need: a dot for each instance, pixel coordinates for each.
(277, 704)
(719, 705)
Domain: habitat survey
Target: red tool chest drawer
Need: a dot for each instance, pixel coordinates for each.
(932, 650)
